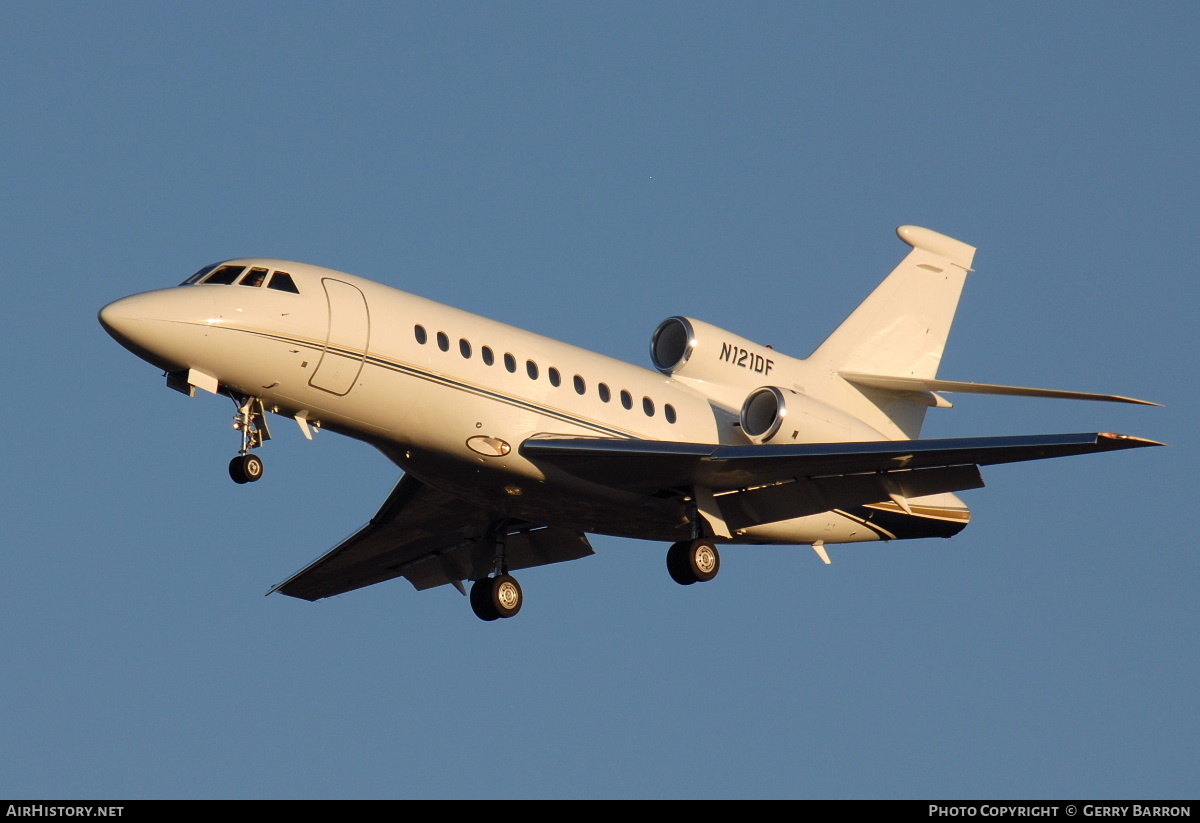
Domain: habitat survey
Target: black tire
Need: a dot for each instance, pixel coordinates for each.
(237, 471)
(245, 468)
(677, 563)
(507, 597)
(481, 600)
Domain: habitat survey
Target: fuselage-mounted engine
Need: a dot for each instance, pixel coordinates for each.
(771, 414)
(765, 412)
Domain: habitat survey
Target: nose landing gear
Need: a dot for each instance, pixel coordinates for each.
(251, 421)
(245, 468)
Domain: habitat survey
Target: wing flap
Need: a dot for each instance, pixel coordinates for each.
(802, 497)
(522, 550)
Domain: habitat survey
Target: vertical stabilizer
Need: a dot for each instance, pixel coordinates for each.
(900, 330)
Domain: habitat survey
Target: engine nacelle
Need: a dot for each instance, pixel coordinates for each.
(683, 347)
(774, 415)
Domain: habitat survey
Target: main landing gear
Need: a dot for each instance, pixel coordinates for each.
(693, 561)
(251, 421)
(499, 595)
(496, 597)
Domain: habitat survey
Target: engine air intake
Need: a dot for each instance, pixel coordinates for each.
(672, 344)
(763, 413)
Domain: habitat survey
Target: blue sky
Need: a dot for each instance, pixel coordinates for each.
(585, 170)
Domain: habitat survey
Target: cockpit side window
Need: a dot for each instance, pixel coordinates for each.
(282, 281)
(255, 277)
(195, 278)
(224, 275)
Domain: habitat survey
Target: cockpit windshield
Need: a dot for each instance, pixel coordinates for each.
(255, 277)
(224, 275)
(282, 281)
(198, 276)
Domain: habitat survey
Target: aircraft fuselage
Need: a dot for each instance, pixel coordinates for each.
(447, 395)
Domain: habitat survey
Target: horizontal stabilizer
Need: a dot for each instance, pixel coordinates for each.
(928, 384)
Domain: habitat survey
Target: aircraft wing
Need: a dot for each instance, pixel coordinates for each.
(650, 466)
(431, 538)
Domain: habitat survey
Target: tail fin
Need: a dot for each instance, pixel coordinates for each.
(900, 330)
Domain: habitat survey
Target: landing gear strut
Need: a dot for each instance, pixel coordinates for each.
(693, 561)
(251, 421)
(499, 595)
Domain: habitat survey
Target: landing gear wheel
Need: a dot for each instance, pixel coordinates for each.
(693, 561)
(245, 468)
(496, 597)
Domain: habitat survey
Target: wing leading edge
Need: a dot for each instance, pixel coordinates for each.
(431, 538)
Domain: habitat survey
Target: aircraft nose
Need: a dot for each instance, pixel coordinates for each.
(163, 327)
(120, 317)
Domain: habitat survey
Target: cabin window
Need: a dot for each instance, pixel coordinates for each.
(531, 369)
(604, 393)
(443, 341)
(626, 399)
(555, 377)
(510, 362)
(486, 354)
(419, 333)
(464, 348)
(669, 413)
(282, 281)
(255, 278)
(580, 386)
(198, 276)
(224, 275)
(648, 406)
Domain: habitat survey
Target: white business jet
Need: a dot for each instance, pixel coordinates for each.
(514, 446)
